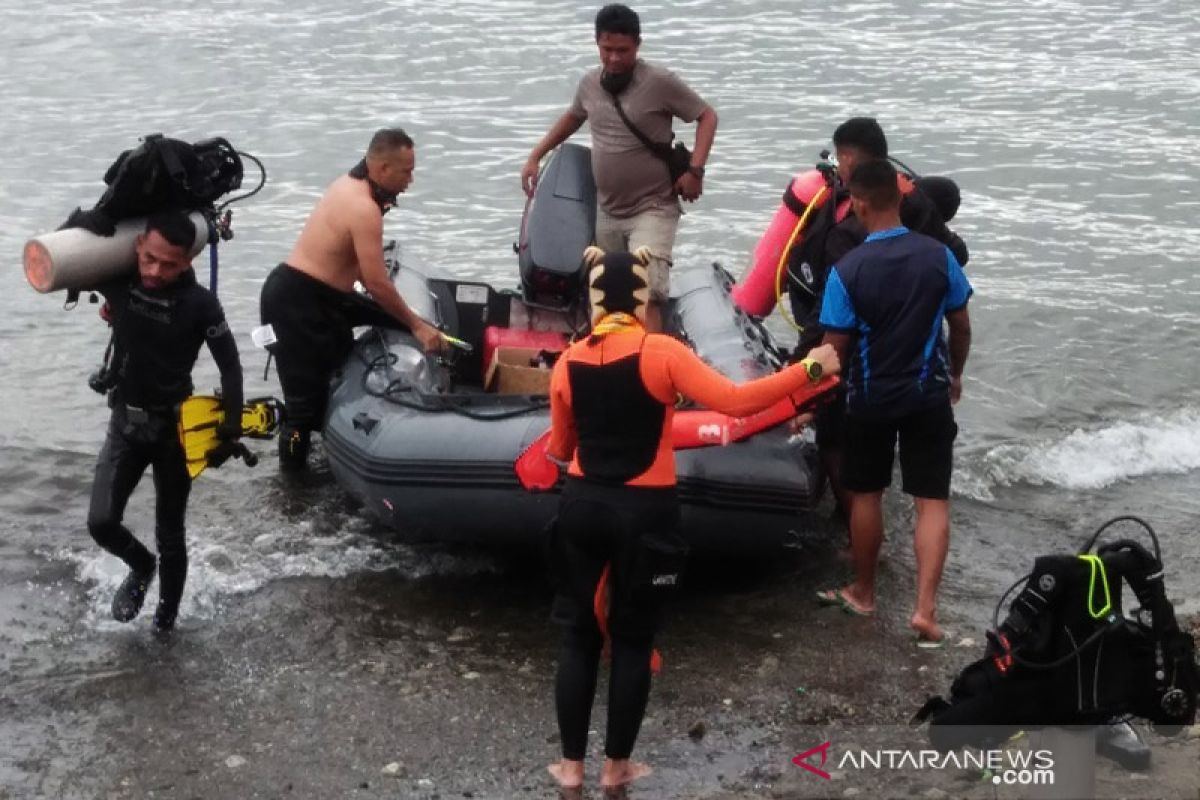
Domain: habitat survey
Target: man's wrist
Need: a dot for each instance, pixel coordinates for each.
(696, 170)
(812, 368)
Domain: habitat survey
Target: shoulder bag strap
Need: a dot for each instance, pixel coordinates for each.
(659, 150)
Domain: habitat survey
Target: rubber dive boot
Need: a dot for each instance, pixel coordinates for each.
(131, 594)
(293, 449)
(164, 618)
(1120, 742)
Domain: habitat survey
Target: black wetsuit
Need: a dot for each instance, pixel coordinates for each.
(606, 519)
(157, 337)
(600, 525)
(313, 324)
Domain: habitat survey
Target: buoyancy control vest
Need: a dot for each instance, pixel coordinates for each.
(162, 174)
(1067, 654)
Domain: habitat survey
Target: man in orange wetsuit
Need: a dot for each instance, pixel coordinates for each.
(612, 400)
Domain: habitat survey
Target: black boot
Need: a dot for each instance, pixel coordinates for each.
(293, 448)
(1120, 742)
(172, 573)
(131, 594)
(164, 618)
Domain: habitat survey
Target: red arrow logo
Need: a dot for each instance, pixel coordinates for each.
(802, 760)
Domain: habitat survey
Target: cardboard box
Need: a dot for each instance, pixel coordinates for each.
(510, 372)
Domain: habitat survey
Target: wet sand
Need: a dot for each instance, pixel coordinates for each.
(376, 686)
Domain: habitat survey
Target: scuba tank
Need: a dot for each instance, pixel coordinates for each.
(810, 190)
(813, 202)
(77, 258)
(1066, 654)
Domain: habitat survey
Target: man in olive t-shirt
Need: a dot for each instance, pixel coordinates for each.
(638, 203)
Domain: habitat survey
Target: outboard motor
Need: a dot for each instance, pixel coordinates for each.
(558, 224)
(1067, 654)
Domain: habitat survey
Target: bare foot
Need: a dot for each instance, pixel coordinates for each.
(568, 773)
(927, 628)
(621, 772)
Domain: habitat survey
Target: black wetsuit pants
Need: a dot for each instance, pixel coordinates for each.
(137, 440)
(628, 529)
(314, 333)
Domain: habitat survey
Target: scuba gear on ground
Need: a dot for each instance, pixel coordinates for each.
(383, 198)
(208, 441)
(559, 222)
(617, 283)
(1067, 654)
(80, 259)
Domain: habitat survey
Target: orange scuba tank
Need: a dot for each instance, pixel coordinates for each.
(755, 292)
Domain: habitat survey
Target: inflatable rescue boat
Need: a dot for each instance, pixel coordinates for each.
(428, 443)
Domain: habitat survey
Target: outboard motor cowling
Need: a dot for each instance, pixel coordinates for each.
(558, 224)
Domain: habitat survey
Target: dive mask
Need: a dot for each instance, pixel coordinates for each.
(382, 197)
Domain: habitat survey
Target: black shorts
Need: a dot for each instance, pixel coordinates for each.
(829, 420)
(926, 452)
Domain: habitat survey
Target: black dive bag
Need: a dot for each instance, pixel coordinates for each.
(162, 174)
(1067, 654)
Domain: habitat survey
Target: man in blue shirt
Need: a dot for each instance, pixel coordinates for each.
(883, 310)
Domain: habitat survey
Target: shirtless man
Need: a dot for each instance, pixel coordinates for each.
(310, 301)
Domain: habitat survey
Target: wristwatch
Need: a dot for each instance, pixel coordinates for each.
(812, 368)
(696, 171)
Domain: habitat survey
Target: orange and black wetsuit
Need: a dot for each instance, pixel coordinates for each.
(612, 401)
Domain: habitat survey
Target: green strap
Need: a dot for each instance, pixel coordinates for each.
(1097, 567)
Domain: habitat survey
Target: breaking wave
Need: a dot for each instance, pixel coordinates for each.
(1152, 444)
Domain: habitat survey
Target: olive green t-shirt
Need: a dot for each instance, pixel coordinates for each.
(629, 178)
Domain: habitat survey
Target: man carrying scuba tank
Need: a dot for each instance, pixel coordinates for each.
(822, 230)
(159, 321)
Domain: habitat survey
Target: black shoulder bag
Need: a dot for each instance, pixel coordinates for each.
(678, 158)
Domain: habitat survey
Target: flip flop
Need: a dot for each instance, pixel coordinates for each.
(834, 597)
(932, 644)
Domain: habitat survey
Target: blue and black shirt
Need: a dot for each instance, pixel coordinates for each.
(893, 292)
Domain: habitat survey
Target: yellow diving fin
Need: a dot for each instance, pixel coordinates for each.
(200, 415)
